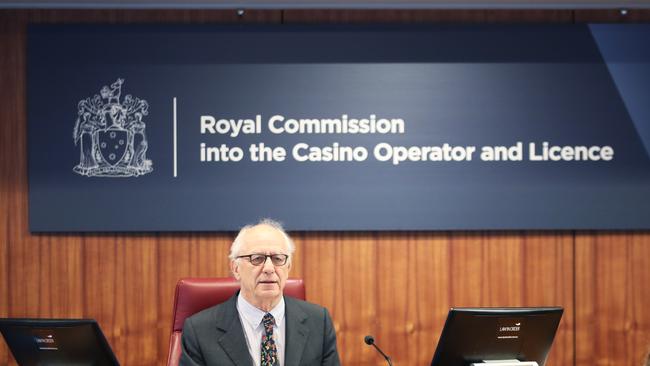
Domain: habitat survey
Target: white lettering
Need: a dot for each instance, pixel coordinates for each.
(207, 124)
(550, 152)
(222, 153)
(303, 152)
(399, 154)
(232, 127)
(344, 125)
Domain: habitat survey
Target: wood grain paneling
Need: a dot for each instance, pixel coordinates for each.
(612, 298)
(426, 16)
(396, 286)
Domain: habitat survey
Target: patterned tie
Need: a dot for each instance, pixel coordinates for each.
(269, 350)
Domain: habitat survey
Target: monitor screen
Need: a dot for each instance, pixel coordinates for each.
(473, 335)
(57, 342)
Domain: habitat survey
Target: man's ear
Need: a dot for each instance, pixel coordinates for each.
(234, 268)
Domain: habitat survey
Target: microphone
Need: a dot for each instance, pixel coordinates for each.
(371, 342)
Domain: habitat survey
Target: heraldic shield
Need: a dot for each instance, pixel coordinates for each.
(111, 135)
(112, 144)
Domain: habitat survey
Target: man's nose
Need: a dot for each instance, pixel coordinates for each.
(268, 266)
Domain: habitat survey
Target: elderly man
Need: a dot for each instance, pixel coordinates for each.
(259, 326)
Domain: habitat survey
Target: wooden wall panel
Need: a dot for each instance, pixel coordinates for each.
(398, 286)
(549, 280)
(426, 16)
(335, 271)
(13, 178)
(612, 298)
(525, 269)
(395, 286)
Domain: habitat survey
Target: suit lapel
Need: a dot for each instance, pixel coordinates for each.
(297, 332)
(231, 335)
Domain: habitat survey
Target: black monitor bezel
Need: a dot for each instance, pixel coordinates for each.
(100, 338)
(492, 311)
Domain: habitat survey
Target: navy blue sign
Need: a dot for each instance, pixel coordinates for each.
(202, 128)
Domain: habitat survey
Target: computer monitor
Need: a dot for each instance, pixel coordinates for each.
(72, 342)
(474, 335)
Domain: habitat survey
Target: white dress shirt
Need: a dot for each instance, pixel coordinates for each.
(251, 322)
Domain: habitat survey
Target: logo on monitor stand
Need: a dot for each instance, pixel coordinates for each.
(111, 134)
(509, 328)
(44, 340)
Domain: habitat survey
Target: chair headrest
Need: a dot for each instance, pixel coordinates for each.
(195, 294)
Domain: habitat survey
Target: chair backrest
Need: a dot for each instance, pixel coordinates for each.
(195, 294)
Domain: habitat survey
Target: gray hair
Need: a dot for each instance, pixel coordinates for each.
(239, 241)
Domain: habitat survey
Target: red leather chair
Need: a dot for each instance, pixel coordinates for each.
(195, 294)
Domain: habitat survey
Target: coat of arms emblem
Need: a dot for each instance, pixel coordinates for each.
(111, 134)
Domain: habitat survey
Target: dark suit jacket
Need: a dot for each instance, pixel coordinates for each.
(215, 336)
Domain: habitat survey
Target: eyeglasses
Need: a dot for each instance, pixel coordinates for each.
(259, 259)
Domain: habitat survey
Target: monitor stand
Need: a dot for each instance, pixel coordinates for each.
(505, 363)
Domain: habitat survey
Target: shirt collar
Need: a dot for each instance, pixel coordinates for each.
(253, 315)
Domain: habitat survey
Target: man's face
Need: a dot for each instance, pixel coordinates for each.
(262, 284)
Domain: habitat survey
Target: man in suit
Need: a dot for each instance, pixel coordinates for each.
(259, 326)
